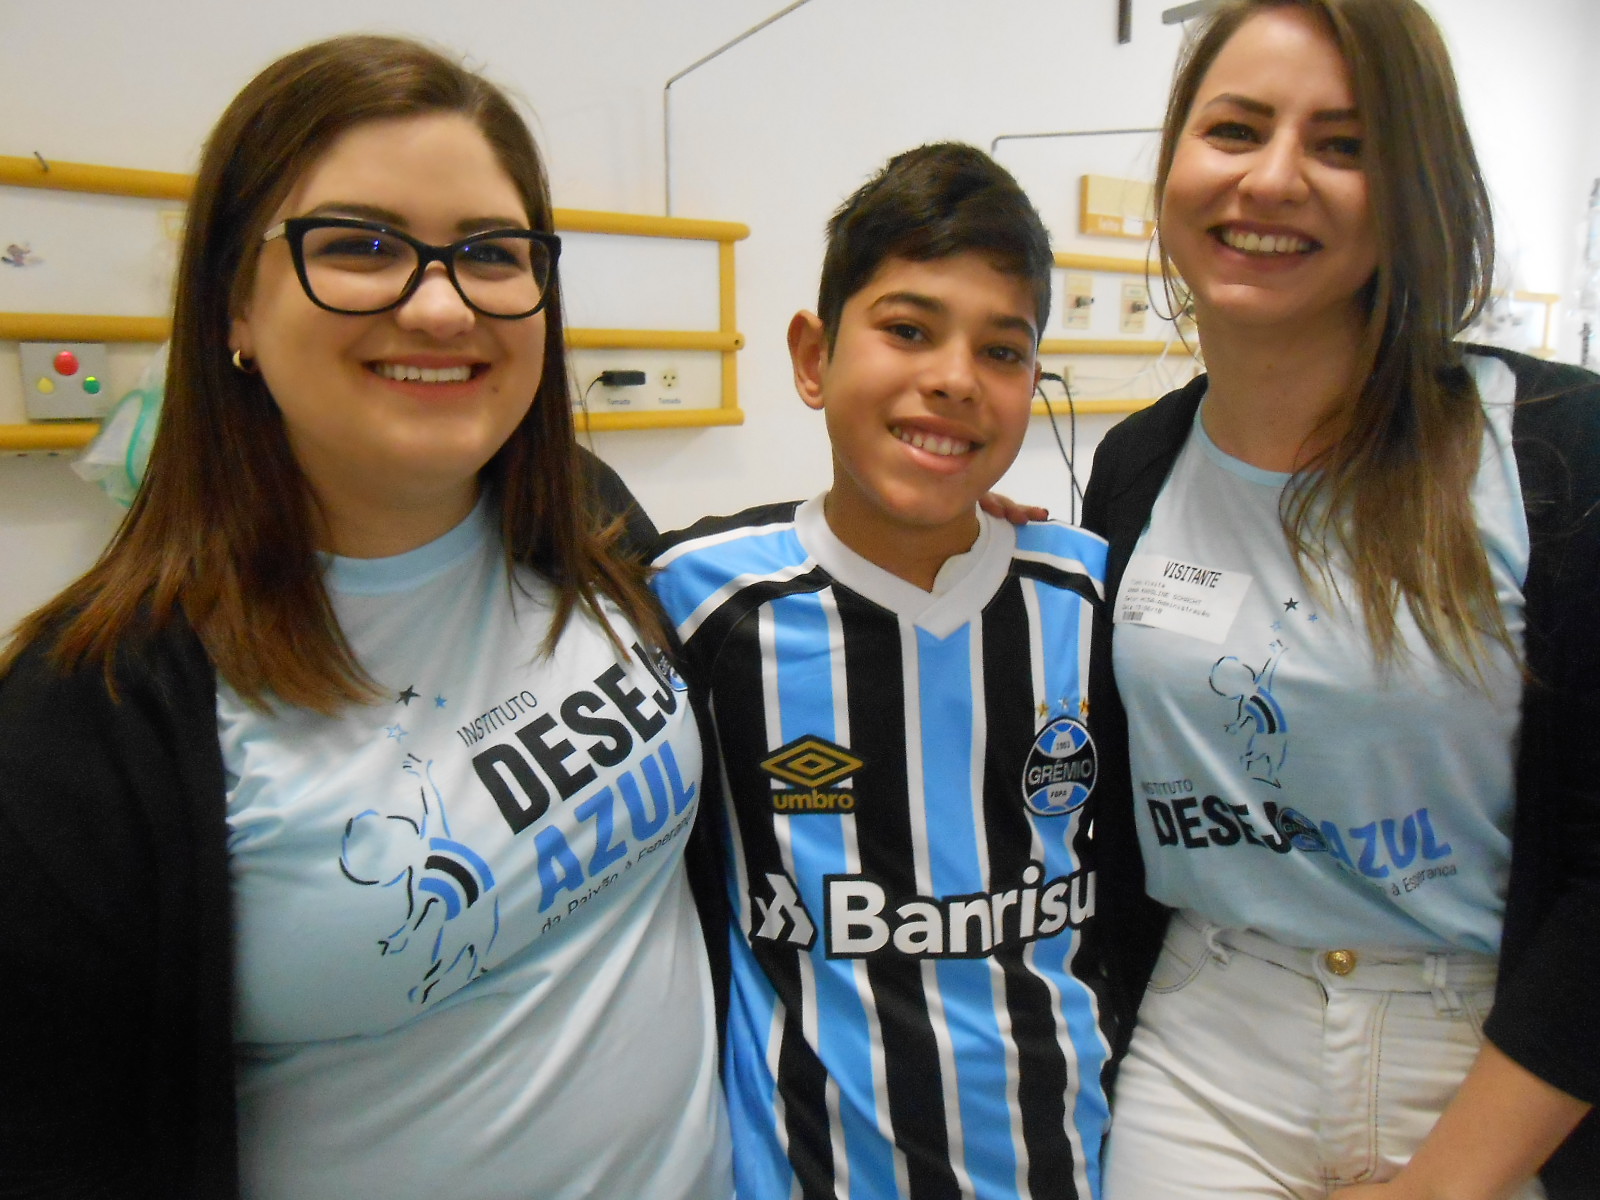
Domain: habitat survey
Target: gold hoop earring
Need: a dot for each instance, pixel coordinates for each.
(245, 366)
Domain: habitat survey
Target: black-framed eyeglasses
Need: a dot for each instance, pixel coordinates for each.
(360, 267)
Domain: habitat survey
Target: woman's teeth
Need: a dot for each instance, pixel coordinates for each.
(409, 374)
(1255, 243)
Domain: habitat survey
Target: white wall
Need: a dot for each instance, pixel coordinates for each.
(773, 134)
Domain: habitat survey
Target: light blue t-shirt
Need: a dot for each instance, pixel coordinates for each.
(467, 959)
(1285, 783)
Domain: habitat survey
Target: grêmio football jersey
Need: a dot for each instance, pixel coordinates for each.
(904, 776)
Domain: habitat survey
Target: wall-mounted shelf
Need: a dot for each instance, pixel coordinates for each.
(725, 340)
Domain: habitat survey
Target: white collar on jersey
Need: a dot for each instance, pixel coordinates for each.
(964, 584)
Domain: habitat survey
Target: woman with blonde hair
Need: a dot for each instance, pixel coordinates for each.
(1347, 706)
(343, 803)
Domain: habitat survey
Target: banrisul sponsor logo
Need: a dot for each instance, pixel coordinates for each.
(1061, 768)
(865, 916)
(816, 774)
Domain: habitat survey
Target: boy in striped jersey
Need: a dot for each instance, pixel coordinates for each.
(897, 684)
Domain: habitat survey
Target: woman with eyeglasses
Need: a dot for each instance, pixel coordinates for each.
(343, 803)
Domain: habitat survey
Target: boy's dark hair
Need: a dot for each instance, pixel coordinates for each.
(933, 202)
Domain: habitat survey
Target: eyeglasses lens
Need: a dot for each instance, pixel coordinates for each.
(361, 270)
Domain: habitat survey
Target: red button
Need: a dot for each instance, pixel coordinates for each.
(66, 363)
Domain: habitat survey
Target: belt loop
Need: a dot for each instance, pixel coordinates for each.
(1220, 954)
(1446, 1000)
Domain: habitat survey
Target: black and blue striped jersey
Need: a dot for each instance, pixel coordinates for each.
(903, 776)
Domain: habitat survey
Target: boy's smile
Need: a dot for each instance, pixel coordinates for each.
(927, 391)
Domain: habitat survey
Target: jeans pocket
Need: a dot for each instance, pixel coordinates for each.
(1183, 956)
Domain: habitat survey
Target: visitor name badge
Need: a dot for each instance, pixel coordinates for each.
(1182, 597)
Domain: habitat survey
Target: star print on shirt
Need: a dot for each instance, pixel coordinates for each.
(1290, 604)
(407, 696)
(396, 731)
(438, 701)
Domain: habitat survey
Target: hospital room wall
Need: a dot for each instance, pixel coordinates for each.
(772, 134)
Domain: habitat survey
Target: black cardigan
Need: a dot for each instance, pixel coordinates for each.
(1547, 1006)
(117, 1077)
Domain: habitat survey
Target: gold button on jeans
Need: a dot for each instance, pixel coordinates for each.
(1340, 962)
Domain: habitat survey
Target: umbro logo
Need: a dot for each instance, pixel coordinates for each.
(811, 764)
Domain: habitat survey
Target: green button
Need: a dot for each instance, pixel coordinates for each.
(91, 385)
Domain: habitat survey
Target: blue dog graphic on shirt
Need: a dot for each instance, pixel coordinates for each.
(447, 887)
(1251, 691)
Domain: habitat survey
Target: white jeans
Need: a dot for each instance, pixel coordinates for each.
(1259, 1070)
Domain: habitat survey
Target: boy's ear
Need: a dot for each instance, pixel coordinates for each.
(808, 352)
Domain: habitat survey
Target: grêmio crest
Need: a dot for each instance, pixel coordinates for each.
(1060, 771)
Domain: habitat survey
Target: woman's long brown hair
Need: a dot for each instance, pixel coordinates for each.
(1392, 497)
(222, 531)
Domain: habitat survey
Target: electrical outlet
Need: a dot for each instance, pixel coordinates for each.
(64, 381)
(1078, 303)
(1049, 389)
(1135, 304)
(666, 379)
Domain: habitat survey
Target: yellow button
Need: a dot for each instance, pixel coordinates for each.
(45, 386)
(1340, 962)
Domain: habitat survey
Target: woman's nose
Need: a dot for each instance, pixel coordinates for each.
(436, 307)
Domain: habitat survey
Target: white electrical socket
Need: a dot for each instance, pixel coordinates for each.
(1077, 301)
(1049, 389)
(674, 379)
(1135, 305)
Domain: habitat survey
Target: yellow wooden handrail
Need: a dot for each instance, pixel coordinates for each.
(47, 435)
(1107, 346)
(168, 185)
(1086, 408)
(1101, 262)
(583, 220)
(654, 339)
(85, 177)
(124, 181)
(82, 327)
